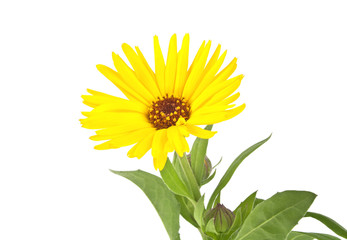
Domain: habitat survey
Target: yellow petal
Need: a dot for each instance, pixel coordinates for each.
(140, 149)
(171, 65)
(217, 91)
(225, 92)
(197, 56)
(141, 71)
(212, 118)
(93, 92)
(159, 66)
(169, 147)
(196, 74)
(158, 152)
(131, 79)
(159, 141)
(111, 119)
(86, 114)
(143, 59)
(183, 130)
(231, 99)
(212, 109)
(212, 60)
(125, 107)
(98, 98)
(106, 103)
(89, 104)
(182, 65)
(226, 72)
(125, 139)
(199, 132)
(177, 140)
(117, 80)
(208, 78)
(160, 162)
(128, 127)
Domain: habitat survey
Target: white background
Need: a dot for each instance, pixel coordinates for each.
(54, 185)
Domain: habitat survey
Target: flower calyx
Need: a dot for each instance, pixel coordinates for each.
(207, 166)
(223, 218)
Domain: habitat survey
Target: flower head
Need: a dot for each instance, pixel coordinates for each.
(163, 106)
(222, 217)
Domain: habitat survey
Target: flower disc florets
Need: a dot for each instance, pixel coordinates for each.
(166, 111)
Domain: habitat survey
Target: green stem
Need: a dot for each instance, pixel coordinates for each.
(190, 178)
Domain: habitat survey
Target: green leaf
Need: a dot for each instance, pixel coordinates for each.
(298, 236)
(199, 211)
(274, 218)
(217, 200)
(234, 235)
(157, 191)
(198, 154)
(229, 173)
(173, 182)
(207, 180)
(257, 201)
(186, 210)
(177, 166)
(175, 159)
(310, 236)
(247, 206)
(330, 223)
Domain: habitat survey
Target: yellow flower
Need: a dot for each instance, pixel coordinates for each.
(163, 107)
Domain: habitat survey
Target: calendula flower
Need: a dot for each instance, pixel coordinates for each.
(162, 107)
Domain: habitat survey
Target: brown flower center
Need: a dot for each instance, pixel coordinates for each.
(166, 111)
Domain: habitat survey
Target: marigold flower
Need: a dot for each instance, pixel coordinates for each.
(163, 107)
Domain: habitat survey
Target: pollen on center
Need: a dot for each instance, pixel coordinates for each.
(166, 111)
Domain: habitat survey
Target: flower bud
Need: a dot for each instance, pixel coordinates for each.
(223, 218)
(207, 166)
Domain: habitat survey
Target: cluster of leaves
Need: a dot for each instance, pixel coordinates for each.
(177, 193)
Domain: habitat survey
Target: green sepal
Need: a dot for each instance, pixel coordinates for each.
(198, 154)
(173, 181)
(229, 173)
(330, 223)
(207, 180)
(274, 218)
(156, 190)
(220, 160)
